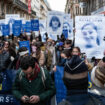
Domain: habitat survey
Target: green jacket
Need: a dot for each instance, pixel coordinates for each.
(23, 87)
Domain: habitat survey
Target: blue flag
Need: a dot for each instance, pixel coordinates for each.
(35, 25)
(60, 87)
(8, 99)
(65, 32)
(5, 30)
(25, 44)
(28, 26)
(17, 27)
(23, 29)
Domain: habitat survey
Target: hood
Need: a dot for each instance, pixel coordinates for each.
(76, 65)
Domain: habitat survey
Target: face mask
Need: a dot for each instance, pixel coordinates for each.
(63, 60)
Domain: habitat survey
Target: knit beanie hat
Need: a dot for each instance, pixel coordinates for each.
(75, 66)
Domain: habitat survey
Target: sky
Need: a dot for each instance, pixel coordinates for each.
(58, 5)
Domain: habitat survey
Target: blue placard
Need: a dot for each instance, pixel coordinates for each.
(5, 30)
(35, 25)
(65, 33)
(6, 99)
(28, 26)
(23, 29)
(59, 84)
(25, 44)
(17, 27)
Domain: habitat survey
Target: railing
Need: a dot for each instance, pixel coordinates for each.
(23, 6)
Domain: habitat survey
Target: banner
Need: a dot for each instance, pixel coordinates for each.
(17, 27)
(29, 6)
(10, 20)
(28, 27)
(43, 29)
(23, 29)
(5, 30)
(54, 24)
(7, 99)
(42, 25)
(35, 25)
(89, 35)
(25, 44)
(1, 23)
(59, 84)
(68, 26)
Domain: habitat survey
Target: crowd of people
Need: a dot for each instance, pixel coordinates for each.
(34, 83)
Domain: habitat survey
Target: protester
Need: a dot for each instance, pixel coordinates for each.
(4, 61)
(39, 54)
(76, 82)
(4, 58)
(23, 51)
(48, 57)
(68, 44)
(6, 46)
(98, 80)
(77, 51)
(29, 87)
(98, 74)
(66, 54)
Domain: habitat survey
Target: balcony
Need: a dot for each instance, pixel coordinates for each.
(23, 6)
(33, 12)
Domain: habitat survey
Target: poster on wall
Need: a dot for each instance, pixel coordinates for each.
(89, 35)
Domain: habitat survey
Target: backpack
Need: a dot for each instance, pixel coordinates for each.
(43, 76)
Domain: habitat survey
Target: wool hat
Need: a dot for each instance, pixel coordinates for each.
(76, 66)
(60, 44)
(98, 74)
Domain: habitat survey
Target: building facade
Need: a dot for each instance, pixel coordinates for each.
(76, 7)
(95, 7)
(39, 8)
(85, 7)
(15, 7)
(44, 8)
(35, 6)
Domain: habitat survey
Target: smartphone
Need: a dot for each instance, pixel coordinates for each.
(27, 99)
